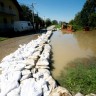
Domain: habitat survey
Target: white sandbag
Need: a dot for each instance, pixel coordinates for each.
(26, 54)
(34, 70)
(22, 46)
(29, 67)
(36, 53)
(7, 58)
(46, 73)
(29, 88)
(39, 48)
(14, 92)
(26, 72)
(45, 55)
(14, 76)
(41, 74)
(33, 57)
(20, 66)
(4, 65)
(42, 62)
(52, 83)
(47, 47)
(30, 62)
(6, 87)
(38, 75)
(60, 91)
(42, 67)
(25, 77)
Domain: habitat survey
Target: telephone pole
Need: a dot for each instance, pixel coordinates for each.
(33, 14)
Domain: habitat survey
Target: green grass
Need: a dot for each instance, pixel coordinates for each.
(2, 38)
(58, 26)
(80, 77)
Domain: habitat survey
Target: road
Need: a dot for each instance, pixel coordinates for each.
(10, 45)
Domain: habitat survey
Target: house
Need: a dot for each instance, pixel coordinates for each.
(10, 11)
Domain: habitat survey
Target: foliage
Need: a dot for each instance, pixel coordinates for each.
(71, 22)
(54, 22)
(58, 26)
(87, 16)
(77, 27)
(48, 22)
(80, 77)
(2, 38)
(27, 12)
(28, 15)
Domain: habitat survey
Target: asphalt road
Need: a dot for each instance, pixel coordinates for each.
(10, 45)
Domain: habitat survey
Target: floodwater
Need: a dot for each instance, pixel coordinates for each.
(67, 47)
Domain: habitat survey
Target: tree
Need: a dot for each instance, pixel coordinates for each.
(87, 16)
(27, 13)
(92, 20)
(71, 22)
(54, 22)
(48, 22)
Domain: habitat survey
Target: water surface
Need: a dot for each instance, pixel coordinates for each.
(67, 47)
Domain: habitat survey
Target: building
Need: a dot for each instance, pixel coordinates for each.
(10, 11)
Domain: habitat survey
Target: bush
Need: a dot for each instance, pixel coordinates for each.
(79, 78)
(58, 26)
(77, 27)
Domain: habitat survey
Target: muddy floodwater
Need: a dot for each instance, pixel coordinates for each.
(67, 47)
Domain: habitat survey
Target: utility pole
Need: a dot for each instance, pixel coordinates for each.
(33, 14)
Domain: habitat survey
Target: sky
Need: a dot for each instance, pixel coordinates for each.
(61, 10)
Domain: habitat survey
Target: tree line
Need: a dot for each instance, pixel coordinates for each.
(87, 16)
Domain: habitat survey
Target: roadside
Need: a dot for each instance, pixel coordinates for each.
(10, 45)
(3, 38)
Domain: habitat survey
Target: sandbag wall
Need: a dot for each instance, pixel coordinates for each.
(26, 72)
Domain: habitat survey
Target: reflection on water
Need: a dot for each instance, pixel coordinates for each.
(70, 46)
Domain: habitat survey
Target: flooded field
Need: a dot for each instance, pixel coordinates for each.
(68, 47)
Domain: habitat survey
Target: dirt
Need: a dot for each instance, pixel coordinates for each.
(10, 45)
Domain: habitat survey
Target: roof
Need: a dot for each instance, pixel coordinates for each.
(17, 5)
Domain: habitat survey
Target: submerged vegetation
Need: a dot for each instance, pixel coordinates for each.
(80, 76)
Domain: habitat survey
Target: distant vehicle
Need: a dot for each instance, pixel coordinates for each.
(20, 26)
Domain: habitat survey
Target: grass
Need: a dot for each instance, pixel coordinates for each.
(80, 77)
(2, 38)
(58, 26)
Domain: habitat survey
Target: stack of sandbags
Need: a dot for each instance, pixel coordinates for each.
(26, 72)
